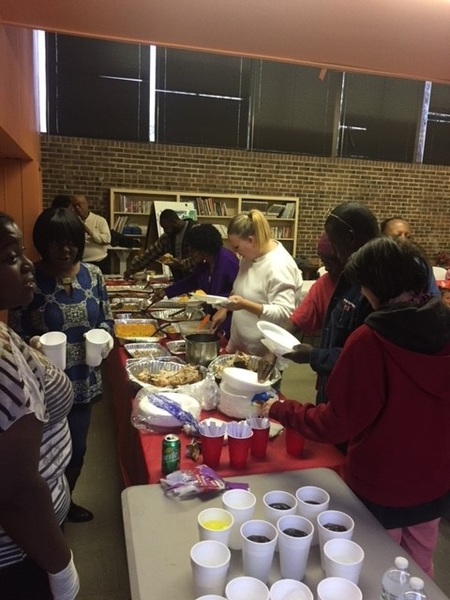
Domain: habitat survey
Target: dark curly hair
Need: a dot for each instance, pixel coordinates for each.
(388, 267)
(205, 238)
(58, 225)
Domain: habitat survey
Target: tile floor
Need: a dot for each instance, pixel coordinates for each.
(99, 547)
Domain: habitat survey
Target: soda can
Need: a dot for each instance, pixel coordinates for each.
(171, 454)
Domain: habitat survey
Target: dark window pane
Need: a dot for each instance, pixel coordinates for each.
(380, 117)
(294, 109)
(202, 98)
(97, 88)
(437, 142)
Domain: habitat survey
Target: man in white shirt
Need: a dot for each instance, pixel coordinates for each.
(98, 235)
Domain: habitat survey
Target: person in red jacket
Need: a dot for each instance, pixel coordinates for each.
(388, 397)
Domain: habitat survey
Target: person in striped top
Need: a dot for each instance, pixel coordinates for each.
(35, 448)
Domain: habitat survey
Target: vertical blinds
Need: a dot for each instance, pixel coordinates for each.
(97, 88)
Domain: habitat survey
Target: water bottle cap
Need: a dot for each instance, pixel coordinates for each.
(416, 584)
(401, 562)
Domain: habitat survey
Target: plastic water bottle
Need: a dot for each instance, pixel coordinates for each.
(395, 580)
(415, 591)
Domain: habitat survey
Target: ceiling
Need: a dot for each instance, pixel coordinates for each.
(387, 37)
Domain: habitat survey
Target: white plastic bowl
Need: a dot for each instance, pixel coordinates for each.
(282, 340)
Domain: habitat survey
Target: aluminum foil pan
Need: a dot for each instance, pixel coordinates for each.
(227, 360)
(176, 347)
(146, 350)
(135, 367)
(176, 315)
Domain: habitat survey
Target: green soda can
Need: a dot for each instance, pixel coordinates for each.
(171, 454)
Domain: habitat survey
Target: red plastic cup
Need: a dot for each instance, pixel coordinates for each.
(294, 441)
(238, 449)
(259, 439)
(211, 450)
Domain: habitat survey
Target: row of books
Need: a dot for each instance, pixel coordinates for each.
(281, 232)
(124, 224)
(272, 211)
(208, 206)
(123, 203)
(222, 229)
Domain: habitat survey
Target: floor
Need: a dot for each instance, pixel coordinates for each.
(99, 546)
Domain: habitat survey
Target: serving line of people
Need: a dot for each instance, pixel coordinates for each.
(388, 384)
(69, 295)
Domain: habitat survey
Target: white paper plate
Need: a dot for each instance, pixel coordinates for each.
(161, 418)
(244, 380)
(282, 340)
(213, 300)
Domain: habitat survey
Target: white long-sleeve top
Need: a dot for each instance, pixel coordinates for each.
(273, 280)
(95, 244)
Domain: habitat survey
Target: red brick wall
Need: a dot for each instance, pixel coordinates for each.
(419, 193)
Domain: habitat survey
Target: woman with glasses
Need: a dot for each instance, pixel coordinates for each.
(267, 286)
(70, 297)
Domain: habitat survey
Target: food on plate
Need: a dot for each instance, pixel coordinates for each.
(166, 259)
(199, 293)
(165, 378)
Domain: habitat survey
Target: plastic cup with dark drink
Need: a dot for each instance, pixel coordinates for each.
(311, 501)
(333, 524)
(295, 535)
(278, 503)
(259, 539)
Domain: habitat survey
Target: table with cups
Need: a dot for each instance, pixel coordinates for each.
(140, 453)
(294, 535)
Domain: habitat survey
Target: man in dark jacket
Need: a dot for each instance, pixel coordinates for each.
(171, 246)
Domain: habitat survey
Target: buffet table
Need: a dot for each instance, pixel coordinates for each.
(140, 453)
(161, 570)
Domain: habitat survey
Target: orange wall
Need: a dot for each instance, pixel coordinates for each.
(20, 175)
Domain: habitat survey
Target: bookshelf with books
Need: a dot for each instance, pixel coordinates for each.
(133, 209)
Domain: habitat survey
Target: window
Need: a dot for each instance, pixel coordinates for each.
(293, 109)
(437, 145)
(202, 98)
(97, 88)
(134, 92)
(379, 117)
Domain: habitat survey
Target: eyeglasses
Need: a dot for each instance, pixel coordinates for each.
(338, 218)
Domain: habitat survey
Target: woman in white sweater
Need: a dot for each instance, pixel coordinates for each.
(267, 286)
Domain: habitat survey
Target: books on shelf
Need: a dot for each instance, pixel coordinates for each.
(211, 207)
(288, 211)
(123, 203)
(281, 232)
(275, 210)
(222, 229)
(120, 222)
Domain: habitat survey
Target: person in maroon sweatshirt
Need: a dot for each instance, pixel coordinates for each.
(388, 397)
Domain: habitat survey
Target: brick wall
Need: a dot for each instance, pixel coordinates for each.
(420, 193)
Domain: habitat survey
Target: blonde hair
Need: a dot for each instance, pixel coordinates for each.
(254, 224)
